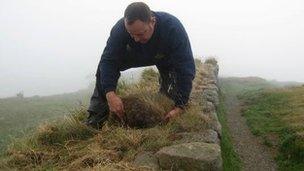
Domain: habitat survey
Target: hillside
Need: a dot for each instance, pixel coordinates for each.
(20, 115)
(238, 85)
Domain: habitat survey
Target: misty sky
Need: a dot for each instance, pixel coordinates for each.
(54, 46)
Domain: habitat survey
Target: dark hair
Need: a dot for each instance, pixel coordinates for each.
(137, 11)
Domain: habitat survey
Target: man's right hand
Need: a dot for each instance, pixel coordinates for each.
(115, 104)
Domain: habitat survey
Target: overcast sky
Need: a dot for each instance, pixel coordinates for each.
(52, 46)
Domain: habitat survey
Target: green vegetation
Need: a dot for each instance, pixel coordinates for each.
(231, 161)
(277, 116)
(274, 113)
(233, 86)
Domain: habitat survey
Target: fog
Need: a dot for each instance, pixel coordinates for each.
(54, 46)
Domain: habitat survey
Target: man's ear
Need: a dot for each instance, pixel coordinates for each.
(153, 21)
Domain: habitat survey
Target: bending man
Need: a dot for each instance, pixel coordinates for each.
(143, 38)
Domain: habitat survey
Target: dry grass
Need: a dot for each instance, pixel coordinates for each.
(211, 60)
(147, 84)
(68, 144)
(295, 118)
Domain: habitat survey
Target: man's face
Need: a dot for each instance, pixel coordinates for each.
(141, 31)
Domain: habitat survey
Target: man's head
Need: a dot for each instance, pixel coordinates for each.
(139, 22)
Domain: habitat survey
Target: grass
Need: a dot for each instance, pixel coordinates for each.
(68, 144)
(20, 116)
(273, 113)
(277, 116)
(231, 160)
(233, 86)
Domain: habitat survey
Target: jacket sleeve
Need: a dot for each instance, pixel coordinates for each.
(111, 57)
(182, 59)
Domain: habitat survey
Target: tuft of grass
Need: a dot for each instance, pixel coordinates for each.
(149, 76)
(211, 60)
(49, 144)
(156, 138)
(148, 83)
(190, 121)
(68, 129)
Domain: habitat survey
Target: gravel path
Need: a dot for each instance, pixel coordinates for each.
(254, 155)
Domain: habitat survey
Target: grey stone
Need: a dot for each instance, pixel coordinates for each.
(218, 128)
(212, 96)
(147, 159)
(214, 122)
(208, 107)
(191, 156)
(212, 87)
(212, 82)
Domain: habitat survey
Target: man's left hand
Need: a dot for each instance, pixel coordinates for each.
(173, 114)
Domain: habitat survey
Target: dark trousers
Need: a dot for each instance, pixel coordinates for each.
(99, 104)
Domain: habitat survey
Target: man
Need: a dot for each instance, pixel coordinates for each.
(143, 38)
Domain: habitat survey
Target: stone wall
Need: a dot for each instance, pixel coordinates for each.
(196, 150)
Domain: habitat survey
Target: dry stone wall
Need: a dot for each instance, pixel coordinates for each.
(195, 150)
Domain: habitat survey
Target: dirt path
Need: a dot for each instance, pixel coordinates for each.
(254, 155)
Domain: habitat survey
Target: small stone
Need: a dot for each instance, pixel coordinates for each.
(214, 122)
(212, 96)
(208, 107)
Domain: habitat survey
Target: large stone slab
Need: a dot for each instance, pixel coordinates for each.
(191, 156)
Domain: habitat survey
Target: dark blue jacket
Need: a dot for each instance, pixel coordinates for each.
(169, 49)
